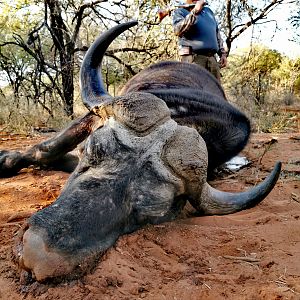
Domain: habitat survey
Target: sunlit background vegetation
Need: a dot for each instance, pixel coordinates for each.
(42, 44)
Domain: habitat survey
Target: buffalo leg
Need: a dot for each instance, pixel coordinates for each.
(53, 151)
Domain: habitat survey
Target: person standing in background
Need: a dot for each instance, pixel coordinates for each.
(199, 38)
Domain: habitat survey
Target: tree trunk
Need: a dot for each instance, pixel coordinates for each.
(67, 73)
(65, 46)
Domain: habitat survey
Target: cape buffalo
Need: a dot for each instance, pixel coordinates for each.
(140, 164)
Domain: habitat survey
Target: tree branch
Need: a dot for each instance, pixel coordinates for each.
(262, 15)
(79, 16)
(128, 67)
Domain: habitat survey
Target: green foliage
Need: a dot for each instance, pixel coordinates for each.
(297, 85)
(25, 116)
(260, 82)
(49, 48)
(265, 77)
(17, 17)
(255, 69)
(263, 61)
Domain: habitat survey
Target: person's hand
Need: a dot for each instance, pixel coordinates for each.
(198, 6)
(223, 61)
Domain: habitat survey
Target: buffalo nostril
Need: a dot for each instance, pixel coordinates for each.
(42, 261)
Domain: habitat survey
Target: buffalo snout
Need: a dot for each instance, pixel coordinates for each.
(120, 184)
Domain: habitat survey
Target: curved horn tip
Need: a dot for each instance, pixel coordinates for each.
(91, 84)
(133, 22)
(278, 165)
(275, 173)
(221, 203)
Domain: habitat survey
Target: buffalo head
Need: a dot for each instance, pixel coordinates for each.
(139, 167)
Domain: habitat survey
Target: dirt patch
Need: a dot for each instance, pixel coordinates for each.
(253, 254)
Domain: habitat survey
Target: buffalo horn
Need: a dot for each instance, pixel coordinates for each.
(214, 202)
(93, 91)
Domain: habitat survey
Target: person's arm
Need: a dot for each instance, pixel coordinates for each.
(221, 52)
(182, 24)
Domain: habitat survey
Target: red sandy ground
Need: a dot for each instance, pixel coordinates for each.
(253, 254)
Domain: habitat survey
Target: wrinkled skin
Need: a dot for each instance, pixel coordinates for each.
(139, 165)
(134, 171)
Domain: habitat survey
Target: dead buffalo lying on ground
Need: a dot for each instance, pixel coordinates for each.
(139, 165)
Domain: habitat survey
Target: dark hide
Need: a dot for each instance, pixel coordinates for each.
(139, 165)
(224, 129)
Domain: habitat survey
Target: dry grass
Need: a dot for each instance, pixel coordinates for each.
(25, 118)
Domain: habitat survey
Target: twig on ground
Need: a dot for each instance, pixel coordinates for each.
(243, 258)
(252, 264)
(207, 285)
(267, 145)
(282, 283)
(295, 197)
(20, 215)
(10, 224)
